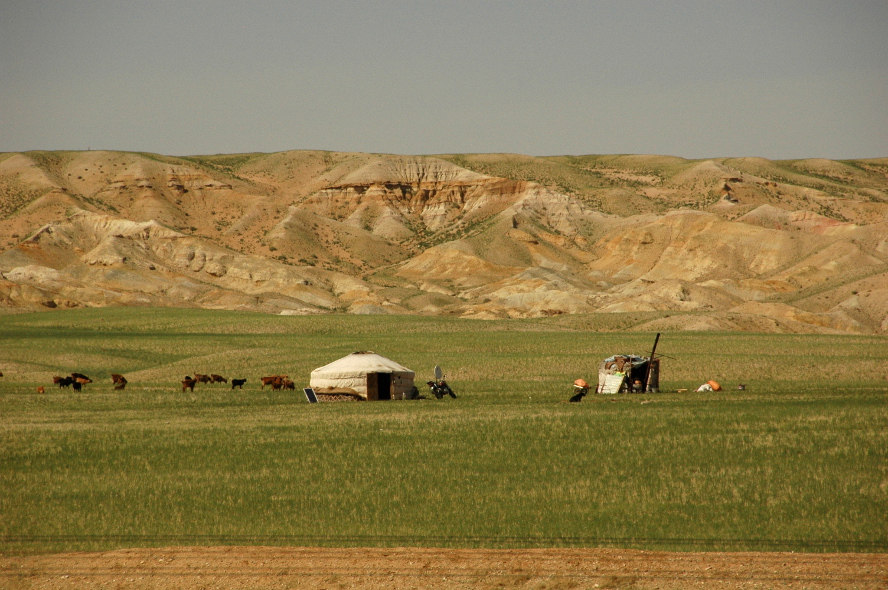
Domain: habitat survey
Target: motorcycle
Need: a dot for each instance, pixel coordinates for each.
(439, 386)
(440, 389)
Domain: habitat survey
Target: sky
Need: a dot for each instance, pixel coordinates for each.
(778, 79)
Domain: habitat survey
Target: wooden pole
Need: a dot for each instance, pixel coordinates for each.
(647, 379)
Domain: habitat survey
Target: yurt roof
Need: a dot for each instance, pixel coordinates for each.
(362, 362)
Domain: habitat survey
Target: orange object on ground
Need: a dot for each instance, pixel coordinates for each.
(581, 383)
(715, 386)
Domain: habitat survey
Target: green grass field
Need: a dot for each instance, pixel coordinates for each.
(798, 461)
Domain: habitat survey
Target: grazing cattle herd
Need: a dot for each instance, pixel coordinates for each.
(76, 381)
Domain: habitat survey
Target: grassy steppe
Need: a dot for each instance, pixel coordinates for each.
(798, 461)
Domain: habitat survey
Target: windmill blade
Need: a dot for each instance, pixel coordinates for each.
(438, 373)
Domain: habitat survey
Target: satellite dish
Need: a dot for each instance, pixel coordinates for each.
(438, 373)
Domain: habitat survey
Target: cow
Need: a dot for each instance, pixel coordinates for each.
(287, 384)
(40, 389)
(239, 383)
(58, 380)
(218, 378)
(64, 381)
(115, 378)
(76, 385)
(201, 378)
(121, 383)
(188, 384)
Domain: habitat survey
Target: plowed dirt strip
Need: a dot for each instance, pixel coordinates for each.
(405, 568)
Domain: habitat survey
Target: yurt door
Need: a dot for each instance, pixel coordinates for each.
(379, 386)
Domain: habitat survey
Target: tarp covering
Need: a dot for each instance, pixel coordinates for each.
(350, 373)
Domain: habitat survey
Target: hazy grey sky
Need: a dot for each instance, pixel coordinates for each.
(777, 78)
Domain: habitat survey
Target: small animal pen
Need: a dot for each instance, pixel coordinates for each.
(630, 373)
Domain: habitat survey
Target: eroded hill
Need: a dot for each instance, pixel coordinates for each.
(747, 243)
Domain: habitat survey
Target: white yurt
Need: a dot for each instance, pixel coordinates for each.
(365, 374)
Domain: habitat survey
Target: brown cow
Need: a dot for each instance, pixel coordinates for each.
(115, 378)
(40, 389)
(121, 383)
(287, 384)
(218, 378)
(188, 384)
(201, 378)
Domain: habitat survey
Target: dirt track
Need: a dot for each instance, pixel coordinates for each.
(209, 568)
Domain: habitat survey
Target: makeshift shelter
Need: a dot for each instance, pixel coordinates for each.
(628, 373)
(363, 374)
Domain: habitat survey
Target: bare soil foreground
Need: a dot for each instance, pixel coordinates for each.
(402, 568)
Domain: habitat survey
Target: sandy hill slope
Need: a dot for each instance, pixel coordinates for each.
(728, 243)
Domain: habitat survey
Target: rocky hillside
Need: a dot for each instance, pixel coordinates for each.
(747, 243)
